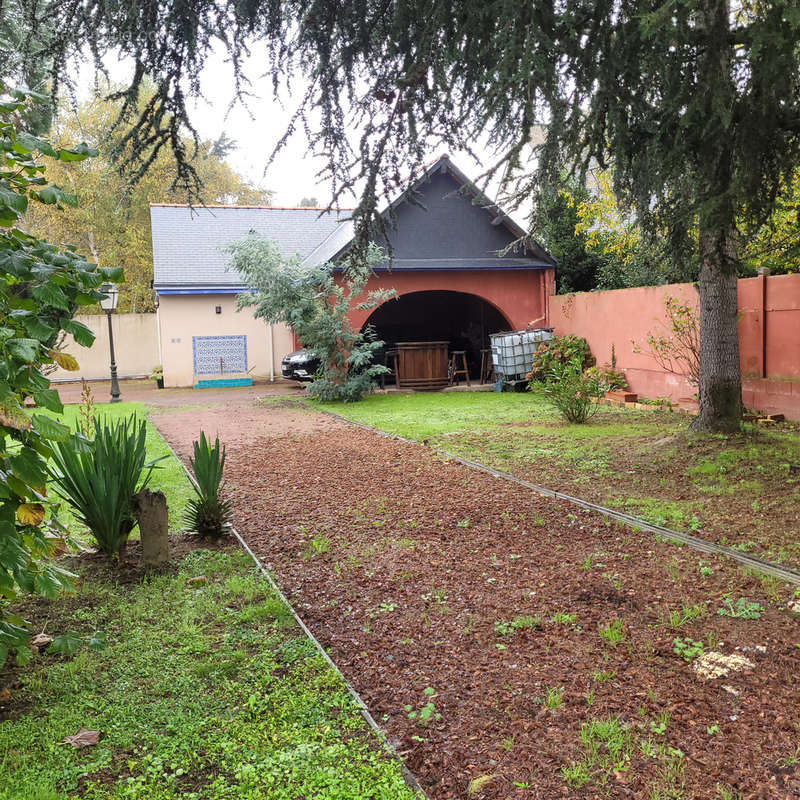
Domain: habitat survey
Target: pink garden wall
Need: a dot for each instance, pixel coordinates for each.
(769, 337)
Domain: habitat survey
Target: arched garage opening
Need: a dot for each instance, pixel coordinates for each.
(464, 320)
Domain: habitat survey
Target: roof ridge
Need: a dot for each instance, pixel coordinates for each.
(234, 205)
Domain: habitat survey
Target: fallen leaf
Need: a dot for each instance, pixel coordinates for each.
(83, 738)
(477, 785)
(40, 641)
(5, 695)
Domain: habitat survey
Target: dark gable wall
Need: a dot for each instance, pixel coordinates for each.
(449, 226)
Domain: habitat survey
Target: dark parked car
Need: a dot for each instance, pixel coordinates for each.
(300, 366)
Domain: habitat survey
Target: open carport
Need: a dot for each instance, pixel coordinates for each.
(464, 320)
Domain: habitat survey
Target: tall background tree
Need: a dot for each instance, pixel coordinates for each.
(693, 103)
(112, 219)
(776, 244)
(599, 245)
(22, 64)
(559, 228)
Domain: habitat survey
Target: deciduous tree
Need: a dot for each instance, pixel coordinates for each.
(315, 305)
(776, 244)
(561, 232)
(111, 221)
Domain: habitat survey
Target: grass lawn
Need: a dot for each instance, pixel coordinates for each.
(735, 489)
(205, 688)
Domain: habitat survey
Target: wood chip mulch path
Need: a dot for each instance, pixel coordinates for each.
(416, 572)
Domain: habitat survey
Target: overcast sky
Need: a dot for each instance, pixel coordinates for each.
(256, 130)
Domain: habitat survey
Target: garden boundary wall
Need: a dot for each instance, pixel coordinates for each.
(769, 337)
(135, 348)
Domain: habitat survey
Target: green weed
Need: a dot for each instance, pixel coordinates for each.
(742, 609)
(554, 698)
(660, 728)
(686, 613)
(670, 779)
(427, 711)
(318, 545)
(503, 628)
(608, 747)
(612, 633)
(688, 649)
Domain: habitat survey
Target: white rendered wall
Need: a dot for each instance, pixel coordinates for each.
(180, 317)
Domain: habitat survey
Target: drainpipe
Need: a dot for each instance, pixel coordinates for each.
(271, 357)
(158, 332)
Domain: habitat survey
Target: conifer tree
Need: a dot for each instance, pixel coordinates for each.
(693, 103)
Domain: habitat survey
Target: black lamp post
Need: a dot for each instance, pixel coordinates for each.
(109, 304)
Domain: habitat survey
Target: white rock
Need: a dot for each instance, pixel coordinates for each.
(718, 665)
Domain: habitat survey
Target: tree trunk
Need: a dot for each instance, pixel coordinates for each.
(720, 385)
(720, 374)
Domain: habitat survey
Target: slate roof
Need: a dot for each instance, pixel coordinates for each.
(525, 253)
(465, 233)
(189, 244)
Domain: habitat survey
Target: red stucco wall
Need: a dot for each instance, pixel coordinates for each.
(769, 337)
(520, 295)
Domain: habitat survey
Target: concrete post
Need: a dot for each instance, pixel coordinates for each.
(151, 511)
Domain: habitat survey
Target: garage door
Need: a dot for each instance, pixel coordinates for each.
(219, 355)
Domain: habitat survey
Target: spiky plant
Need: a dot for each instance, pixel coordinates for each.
(209, 514)
(98, 478)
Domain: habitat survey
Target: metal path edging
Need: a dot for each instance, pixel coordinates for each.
(409, 778)
(762, 565)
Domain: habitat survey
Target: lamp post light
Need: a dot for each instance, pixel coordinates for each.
(109, 304)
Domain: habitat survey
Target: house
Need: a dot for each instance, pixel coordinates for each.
(460, 267)
(203, 340)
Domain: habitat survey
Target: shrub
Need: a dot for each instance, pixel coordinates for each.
(608, 379)
(678, 350)
(559, 350)
(98, 478)
(208, 513)
(315, 303)
(571, 391)
(41, 287)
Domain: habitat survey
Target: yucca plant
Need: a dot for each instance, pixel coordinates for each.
(208, 513)
(98, 478)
